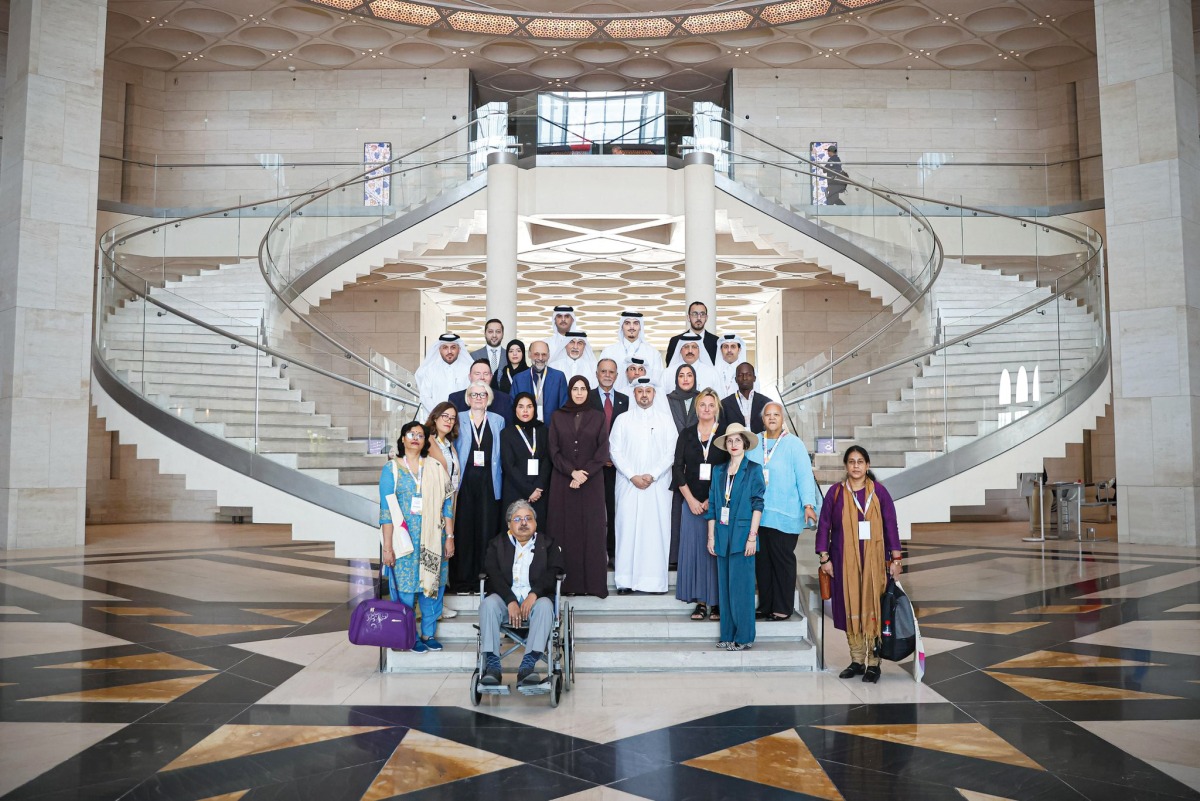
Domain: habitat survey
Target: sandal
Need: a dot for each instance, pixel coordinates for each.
(714, 612)
(699, 612)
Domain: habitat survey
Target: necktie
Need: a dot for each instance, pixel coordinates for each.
(608, 411)
(495, 358)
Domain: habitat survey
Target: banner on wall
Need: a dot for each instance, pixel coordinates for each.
(377, 189)
(818, 153)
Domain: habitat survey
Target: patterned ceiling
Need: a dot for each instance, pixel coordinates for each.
(209, 35)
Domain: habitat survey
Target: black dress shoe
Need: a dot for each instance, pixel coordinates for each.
(871, 676)
(855, 669)
(624, 591)
(760, 615)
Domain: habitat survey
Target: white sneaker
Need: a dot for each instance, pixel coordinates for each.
(448, 613)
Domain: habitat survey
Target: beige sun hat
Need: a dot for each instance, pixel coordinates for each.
(737, 428)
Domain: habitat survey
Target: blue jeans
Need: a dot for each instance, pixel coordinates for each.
(431, 609)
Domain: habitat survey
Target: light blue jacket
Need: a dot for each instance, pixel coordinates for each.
(466, 442)
(791, 484)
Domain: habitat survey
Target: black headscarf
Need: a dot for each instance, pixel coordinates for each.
(533, 422)
(503, 378)
(683, 413)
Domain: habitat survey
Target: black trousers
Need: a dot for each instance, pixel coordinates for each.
(775, 570)
(610, 502)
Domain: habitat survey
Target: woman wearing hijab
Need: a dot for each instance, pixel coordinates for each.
(578, 519)
(682, 398)
(525, 459)
(514, 363)
(858, 545)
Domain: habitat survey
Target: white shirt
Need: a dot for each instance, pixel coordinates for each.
(522, 559)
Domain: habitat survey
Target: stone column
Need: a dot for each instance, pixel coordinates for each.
(700, 233)
(1148, 110)
(49, 169)
(502, 240)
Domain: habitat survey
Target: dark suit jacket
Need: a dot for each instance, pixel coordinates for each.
(710, 344)
(543, 571)
(555, 389)
(620, 403)
(501, 404)
(732, 413)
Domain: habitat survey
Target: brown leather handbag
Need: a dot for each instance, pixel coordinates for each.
(826, 584)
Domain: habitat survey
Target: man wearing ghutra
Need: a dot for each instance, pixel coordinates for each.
(642, 448)
(691, 352)
(634, 369)
(731, 353)
(446, 369)
(576, 357)
(631, 342)
(562, 322)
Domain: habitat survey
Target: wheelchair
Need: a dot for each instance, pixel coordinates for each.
(559, 656)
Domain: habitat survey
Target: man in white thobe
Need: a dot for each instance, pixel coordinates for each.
(691, 352)
(731, 351)
(576, 358)
(635, 368)
(631, 343)
(562, 322)
(446, 369)
(642, 448)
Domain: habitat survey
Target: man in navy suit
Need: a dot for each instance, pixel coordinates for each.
(481, 370)
(745, 406)
(613, 404)
(547, 385)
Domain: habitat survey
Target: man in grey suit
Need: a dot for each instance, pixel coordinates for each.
(493, 334)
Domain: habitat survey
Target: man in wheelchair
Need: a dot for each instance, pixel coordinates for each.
(522, 568)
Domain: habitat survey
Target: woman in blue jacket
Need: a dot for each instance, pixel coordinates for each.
(477, 512)
(735, 507)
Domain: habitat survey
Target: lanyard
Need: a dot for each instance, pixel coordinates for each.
(417, 475)
(477, 432)
(704, 446)
(746, 406)
(538, 384)
(729, 486)
(863, 511)
(767, 454)
(532, 446)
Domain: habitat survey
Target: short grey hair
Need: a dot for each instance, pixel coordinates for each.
(491, 396)
(517, 506)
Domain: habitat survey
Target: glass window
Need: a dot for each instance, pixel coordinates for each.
(602, 122)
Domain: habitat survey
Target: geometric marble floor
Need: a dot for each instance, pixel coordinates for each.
(211, 662)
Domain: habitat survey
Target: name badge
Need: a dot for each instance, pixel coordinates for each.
(724, 515)
(477, 458)
(766, 476)
(532, 468)
(541, 416)
(864, 529)
(706, 472)
(416, 506)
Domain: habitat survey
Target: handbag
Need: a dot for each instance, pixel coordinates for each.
(898, 633)
(384, 623)
(826, 584)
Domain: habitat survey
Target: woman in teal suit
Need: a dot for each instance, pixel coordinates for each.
(735, 507)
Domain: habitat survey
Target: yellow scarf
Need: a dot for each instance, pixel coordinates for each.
(863, 577)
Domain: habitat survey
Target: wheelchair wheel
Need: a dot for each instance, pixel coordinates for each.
(476, 695)
(568, 649)
(556, 684)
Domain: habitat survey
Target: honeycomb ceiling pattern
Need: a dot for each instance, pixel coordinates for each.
(211, 35)
(603, 265)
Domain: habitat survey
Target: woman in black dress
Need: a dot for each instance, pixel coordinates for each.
(477, 514)
(514, 364)
(525, 460)
(578, 518)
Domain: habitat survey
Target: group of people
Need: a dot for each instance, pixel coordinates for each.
(602, 463)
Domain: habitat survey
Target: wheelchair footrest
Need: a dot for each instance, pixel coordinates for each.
(494, 689)
(541, 688)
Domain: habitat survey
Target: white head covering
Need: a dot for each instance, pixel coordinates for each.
(585, 365)
(623, 350)
(660, 406)
(436, 379)
(706, 373)
(622, 383)
(557, 341)
(727, 372)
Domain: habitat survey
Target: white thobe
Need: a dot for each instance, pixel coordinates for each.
(584, 366)
(622, 351)
(643, 442)
(436, 381)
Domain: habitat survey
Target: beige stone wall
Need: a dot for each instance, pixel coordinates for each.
(259, 119)
(122, 488)
(816, 319)
(943, 117)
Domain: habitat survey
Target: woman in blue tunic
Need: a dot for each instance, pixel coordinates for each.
(417, 489)
(735, 507)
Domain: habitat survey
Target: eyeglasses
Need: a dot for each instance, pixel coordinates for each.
(523, 519)
(415, 435)
(448, 416)
(477, 395)
(856, 462)
(697, 314)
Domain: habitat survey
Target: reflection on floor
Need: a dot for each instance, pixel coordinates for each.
(216, 666)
